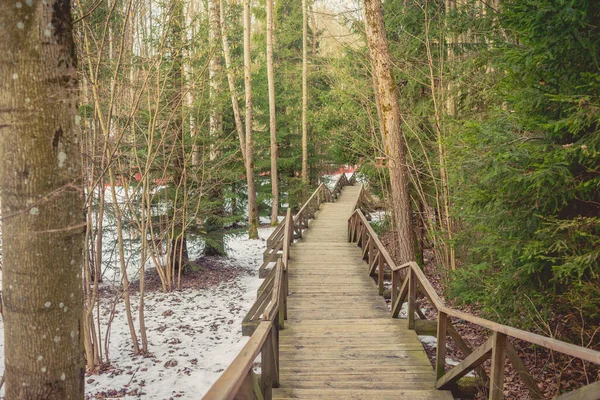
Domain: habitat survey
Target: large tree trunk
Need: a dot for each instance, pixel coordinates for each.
(304, 92)
(237, 115)
(272, 114)
(252, 207)
(392, 127)
(215, 245)
(42, 203)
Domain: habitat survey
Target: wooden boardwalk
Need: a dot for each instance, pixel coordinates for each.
(340, 341)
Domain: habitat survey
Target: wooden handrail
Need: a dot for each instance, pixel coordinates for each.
(230, 382)
(375, 253)
(268, 313)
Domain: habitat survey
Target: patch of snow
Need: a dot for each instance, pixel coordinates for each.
(428, 340)
(378, 216)
(193, 335)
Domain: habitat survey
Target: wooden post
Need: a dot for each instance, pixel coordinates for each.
(350, 228)
(363, 233)
(248, 390)
(440, 354)
(285, 292)
(412, 298)
(395, 285)
(381, 263)
(267, 367)
(371, 251)
(282, 302)
(498, 360)
(275, 337)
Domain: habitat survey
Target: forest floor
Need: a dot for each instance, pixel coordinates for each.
(193, 333)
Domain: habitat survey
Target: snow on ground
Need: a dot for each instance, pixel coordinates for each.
(331, 180)
(193, 334)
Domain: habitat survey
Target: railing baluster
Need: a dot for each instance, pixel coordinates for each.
(412, 297)
(267, 370)
(395, 284)
(380, 272)
(498, 361)
(440, 354)
(370, 251)
(276, 370)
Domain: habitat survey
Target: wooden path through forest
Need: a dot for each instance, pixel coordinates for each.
(340, 341)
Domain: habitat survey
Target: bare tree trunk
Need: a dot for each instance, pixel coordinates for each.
(215, 72)
(178, 252)
(272, 114)
(445, 217)
(252, 207)
(237, 115)
(304, 92)
(315, 30)
(42, 203)
(215, 246)
(189, 76)
(123, 261)
(392, 127)
(450, 41)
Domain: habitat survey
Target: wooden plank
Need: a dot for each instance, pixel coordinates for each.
(589, 392)
(356, 380)
(320, 343)
(338, 363)
(359, 368)
(398, 384)
(353, 394)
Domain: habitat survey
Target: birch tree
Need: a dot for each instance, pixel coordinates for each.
(42, 202)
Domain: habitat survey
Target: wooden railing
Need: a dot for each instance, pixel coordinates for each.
(343, 181)
(269, 312)
(275, 242)
(407, 279)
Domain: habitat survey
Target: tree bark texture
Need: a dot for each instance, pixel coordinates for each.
(214, 225)
(42, 202)
(392, 127)
(252, 207)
